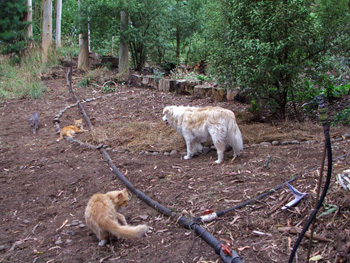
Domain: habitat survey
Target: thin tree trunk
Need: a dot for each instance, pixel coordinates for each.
(124, 45)
(29, 19)
(112, 46)
(58, 23)
(83, 58)
(178, 32)
(178, 43)
(46, 39)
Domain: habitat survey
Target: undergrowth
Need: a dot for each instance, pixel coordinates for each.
(22, 79)
(342, 117)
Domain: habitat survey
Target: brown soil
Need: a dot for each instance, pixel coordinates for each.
(46, 185)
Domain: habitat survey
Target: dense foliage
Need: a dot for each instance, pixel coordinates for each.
(12, 26)
(279, 54)
(269, 48)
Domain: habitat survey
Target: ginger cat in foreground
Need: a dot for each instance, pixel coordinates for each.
(70, 130)
(102, 218)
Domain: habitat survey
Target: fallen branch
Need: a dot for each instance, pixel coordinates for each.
(297, 230)
(278, 206)
(69, 84)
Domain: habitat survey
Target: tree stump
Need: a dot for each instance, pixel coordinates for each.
(203, 91)
(149, 81)
(184, 86)
(190, 84)
(219, 94)
(230, 94)
(167, 85)
(181, 86)
(134, 80)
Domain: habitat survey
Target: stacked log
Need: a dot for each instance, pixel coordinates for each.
(190, 85)
(183, 86)
(203, 91)
(167, 85)
(149, 81)
(219, 94)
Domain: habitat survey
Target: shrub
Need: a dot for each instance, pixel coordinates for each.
(342, 117)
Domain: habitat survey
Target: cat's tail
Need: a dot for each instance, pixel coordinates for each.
(125, 231)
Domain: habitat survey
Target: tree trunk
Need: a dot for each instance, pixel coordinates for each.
(178, 31)
(124, 45)
(46, 38)
(178, 43)
(29, 19)
(58, 23)
(112, 46)
(83, 58)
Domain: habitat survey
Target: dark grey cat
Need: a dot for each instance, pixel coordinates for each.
(34, 122)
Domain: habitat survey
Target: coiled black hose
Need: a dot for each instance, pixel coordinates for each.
(322, 110)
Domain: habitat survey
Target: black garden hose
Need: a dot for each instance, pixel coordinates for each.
(213, 215)
(227, 254)
(323, 118)
(186, 222)
(223, 212)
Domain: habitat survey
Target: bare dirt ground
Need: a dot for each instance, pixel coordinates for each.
(46, 185)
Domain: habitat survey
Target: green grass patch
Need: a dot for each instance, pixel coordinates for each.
(18, 81)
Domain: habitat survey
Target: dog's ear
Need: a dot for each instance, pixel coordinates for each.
(166, 110)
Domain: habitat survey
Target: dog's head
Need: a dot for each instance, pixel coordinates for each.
(167, 112)
(172, 114)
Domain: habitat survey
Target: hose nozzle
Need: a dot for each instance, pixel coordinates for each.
(322, 109)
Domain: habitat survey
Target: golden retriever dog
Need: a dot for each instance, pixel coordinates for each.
(196, 124)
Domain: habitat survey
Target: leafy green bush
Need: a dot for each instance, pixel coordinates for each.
(83, 83)
(268, 47)
(157, 74)
(342, 117)
(180, 73)
(204, 78)
(333, 92)
(108, 89)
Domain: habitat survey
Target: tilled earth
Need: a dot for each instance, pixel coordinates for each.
(46, 185)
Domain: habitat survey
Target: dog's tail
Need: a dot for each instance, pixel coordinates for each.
(235, 137)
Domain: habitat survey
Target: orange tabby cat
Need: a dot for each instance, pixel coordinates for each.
(70, 130)
(101, 217)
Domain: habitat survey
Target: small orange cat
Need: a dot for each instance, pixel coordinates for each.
(70, 130)
(101, 217)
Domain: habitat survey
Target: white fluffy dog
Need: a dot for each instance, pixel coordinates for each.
(196, 124)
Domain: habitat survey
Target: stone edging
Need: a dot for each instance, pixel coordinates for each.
(196, 88)
(56, 122)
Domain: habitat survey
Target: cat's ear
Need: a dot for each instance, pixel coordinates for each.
(120, 195)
